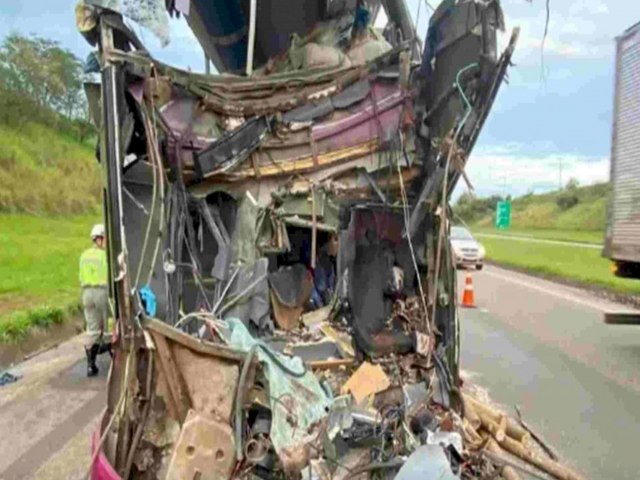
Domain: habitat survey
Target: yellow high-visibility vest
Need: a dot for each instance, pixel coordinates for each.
(93, 267)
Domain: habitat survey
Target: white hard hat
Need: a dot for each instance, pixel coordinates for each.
(97, 231)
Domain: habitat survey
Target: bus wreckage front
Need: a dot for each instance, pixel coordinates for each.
(278, 239)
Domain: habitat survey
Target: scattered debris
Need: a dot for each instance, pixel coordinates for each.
(6, 378)
(366, 381)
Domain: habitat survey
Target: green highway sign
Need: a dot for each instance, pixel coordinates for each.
(503, 214)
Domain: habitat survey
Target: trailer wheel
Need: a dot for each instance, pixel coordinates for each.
(627, 269)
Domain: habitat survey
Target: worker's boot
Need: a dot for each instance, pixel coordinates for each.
(92, 353)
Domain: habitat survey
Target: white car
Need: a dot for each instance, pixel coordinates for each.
(467, 251)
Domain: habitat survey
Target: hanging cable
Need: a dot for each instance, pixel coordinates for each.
(445, 186)
(406, 216)
(143, 251)
(161, 175)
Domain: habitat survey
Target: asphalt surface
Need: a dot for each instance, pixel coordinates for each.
(530, 342)
(545, 347)
(48, 415)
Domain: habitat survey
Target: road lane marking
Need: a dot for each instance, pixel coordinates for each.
(540, 240)
(570, 297)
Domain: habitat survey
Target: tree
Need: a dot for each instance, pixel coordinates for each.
(572, 184)
(42, 82)
(43, 71)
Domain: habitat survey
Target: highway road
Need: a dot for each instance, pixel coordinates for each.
(544, 347)
(47, 416)
(530, 342)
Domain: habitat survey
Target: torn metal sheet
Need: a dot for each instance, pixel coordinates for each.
(297, 400)
(232, 149)
(349, 96)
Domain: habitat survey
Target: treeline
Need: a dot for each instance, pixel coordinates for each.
(470, 208)
(41, 82)
(571, 199)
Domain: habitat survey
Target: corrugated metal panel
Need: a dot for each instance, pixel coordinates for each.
(625, 172)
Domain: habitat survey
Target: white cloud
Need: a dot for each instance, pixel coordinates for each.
(504, 169)
(582, 29)
(592, 7)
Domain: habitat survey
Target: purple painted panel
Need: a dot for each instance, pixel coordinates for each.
(364, 124)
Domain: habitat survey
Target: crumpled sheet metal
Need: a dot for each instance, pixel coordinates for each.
(150, 14)
(297, 403)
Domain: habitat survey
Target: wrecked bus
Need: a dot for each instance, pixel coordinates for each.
(278, 241)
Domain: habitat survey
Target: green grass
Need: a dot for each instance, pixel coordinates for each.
(49, 198)
(18, 326)
(580, 236)
(573, 263)
(43, 171)
(39, 270)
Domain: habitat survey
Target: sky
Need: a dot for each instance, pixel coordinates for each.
(550, 123)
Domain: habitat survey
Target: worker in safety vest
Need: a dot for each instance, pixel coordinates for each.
(95, 298)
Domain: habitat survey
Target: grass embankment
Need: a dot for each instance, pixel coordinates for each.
(49, 198)
(548, 212)
(44, 172)
(578, 236)
(584, 265)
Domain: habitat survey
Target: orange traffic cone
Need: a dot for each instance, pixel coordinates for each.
(468, 300)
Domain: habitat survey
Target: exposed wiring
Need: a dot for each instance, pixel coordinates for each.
(143, 251)
(390, 465)
(225, 290)
(406, 215)
(135, 200)
(149, 397)
(196, 275)
(445, 186)
(544, 39)
(161, 174)
(417, 20)
(193, 315)
(240, 401)
(241, 295)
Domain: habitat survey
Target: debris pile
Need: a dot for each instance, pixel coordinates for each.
(237, 406)
(281, 274)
